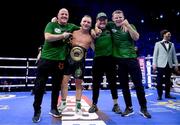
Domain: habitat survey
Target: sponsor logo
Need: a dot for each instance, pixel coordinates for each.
(170, 104)
(4, 107)
(113, 30)
(7, 96)
(57, 30)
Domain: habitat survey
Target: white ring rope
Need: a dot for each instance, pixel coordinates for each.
(27, 67)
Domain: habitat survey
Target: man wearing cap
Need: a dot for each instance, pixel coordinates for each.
(164, 57)
(103, 64)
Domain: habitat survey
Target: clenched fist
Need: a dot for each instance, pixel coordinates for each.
(66, 35)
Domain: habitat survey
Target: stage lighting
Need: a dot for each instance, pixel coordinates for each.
(142, 21)
(161, 16)
(177, 14)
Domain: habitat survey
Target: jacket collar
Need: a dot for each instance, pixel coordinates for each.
(163, 44)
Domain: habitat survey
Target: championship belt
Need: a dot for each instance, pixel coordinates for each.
(77, 53)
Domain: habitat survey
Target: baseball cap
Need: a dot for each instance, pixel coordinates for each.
(101, 15)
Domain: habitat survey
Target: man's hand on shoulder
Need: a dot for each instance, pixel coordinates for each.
(54, 19)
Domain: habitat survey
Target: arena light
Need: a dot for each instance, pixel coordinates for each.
(178, 13)
(142, 21)
(161, 16)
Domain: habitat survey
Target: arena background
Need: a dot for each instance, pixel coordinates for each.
(25, 21)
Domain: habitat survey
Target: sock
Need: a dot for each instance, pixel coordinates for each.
(115, 101)
(63, 102)
(78, 104)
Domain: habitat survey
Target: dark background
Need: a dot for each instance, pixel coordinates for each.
(23, 23)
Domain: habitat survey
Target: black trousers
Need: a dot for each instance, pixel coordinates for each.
(45, 69)
(126, 67)
(103, 65)
(166, 80)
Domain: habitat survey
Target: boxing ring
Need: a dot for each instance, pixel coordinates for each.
(20, 73)
(151, 77)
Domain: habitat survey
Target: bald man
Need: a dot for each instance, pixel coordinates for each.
(51, 62)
